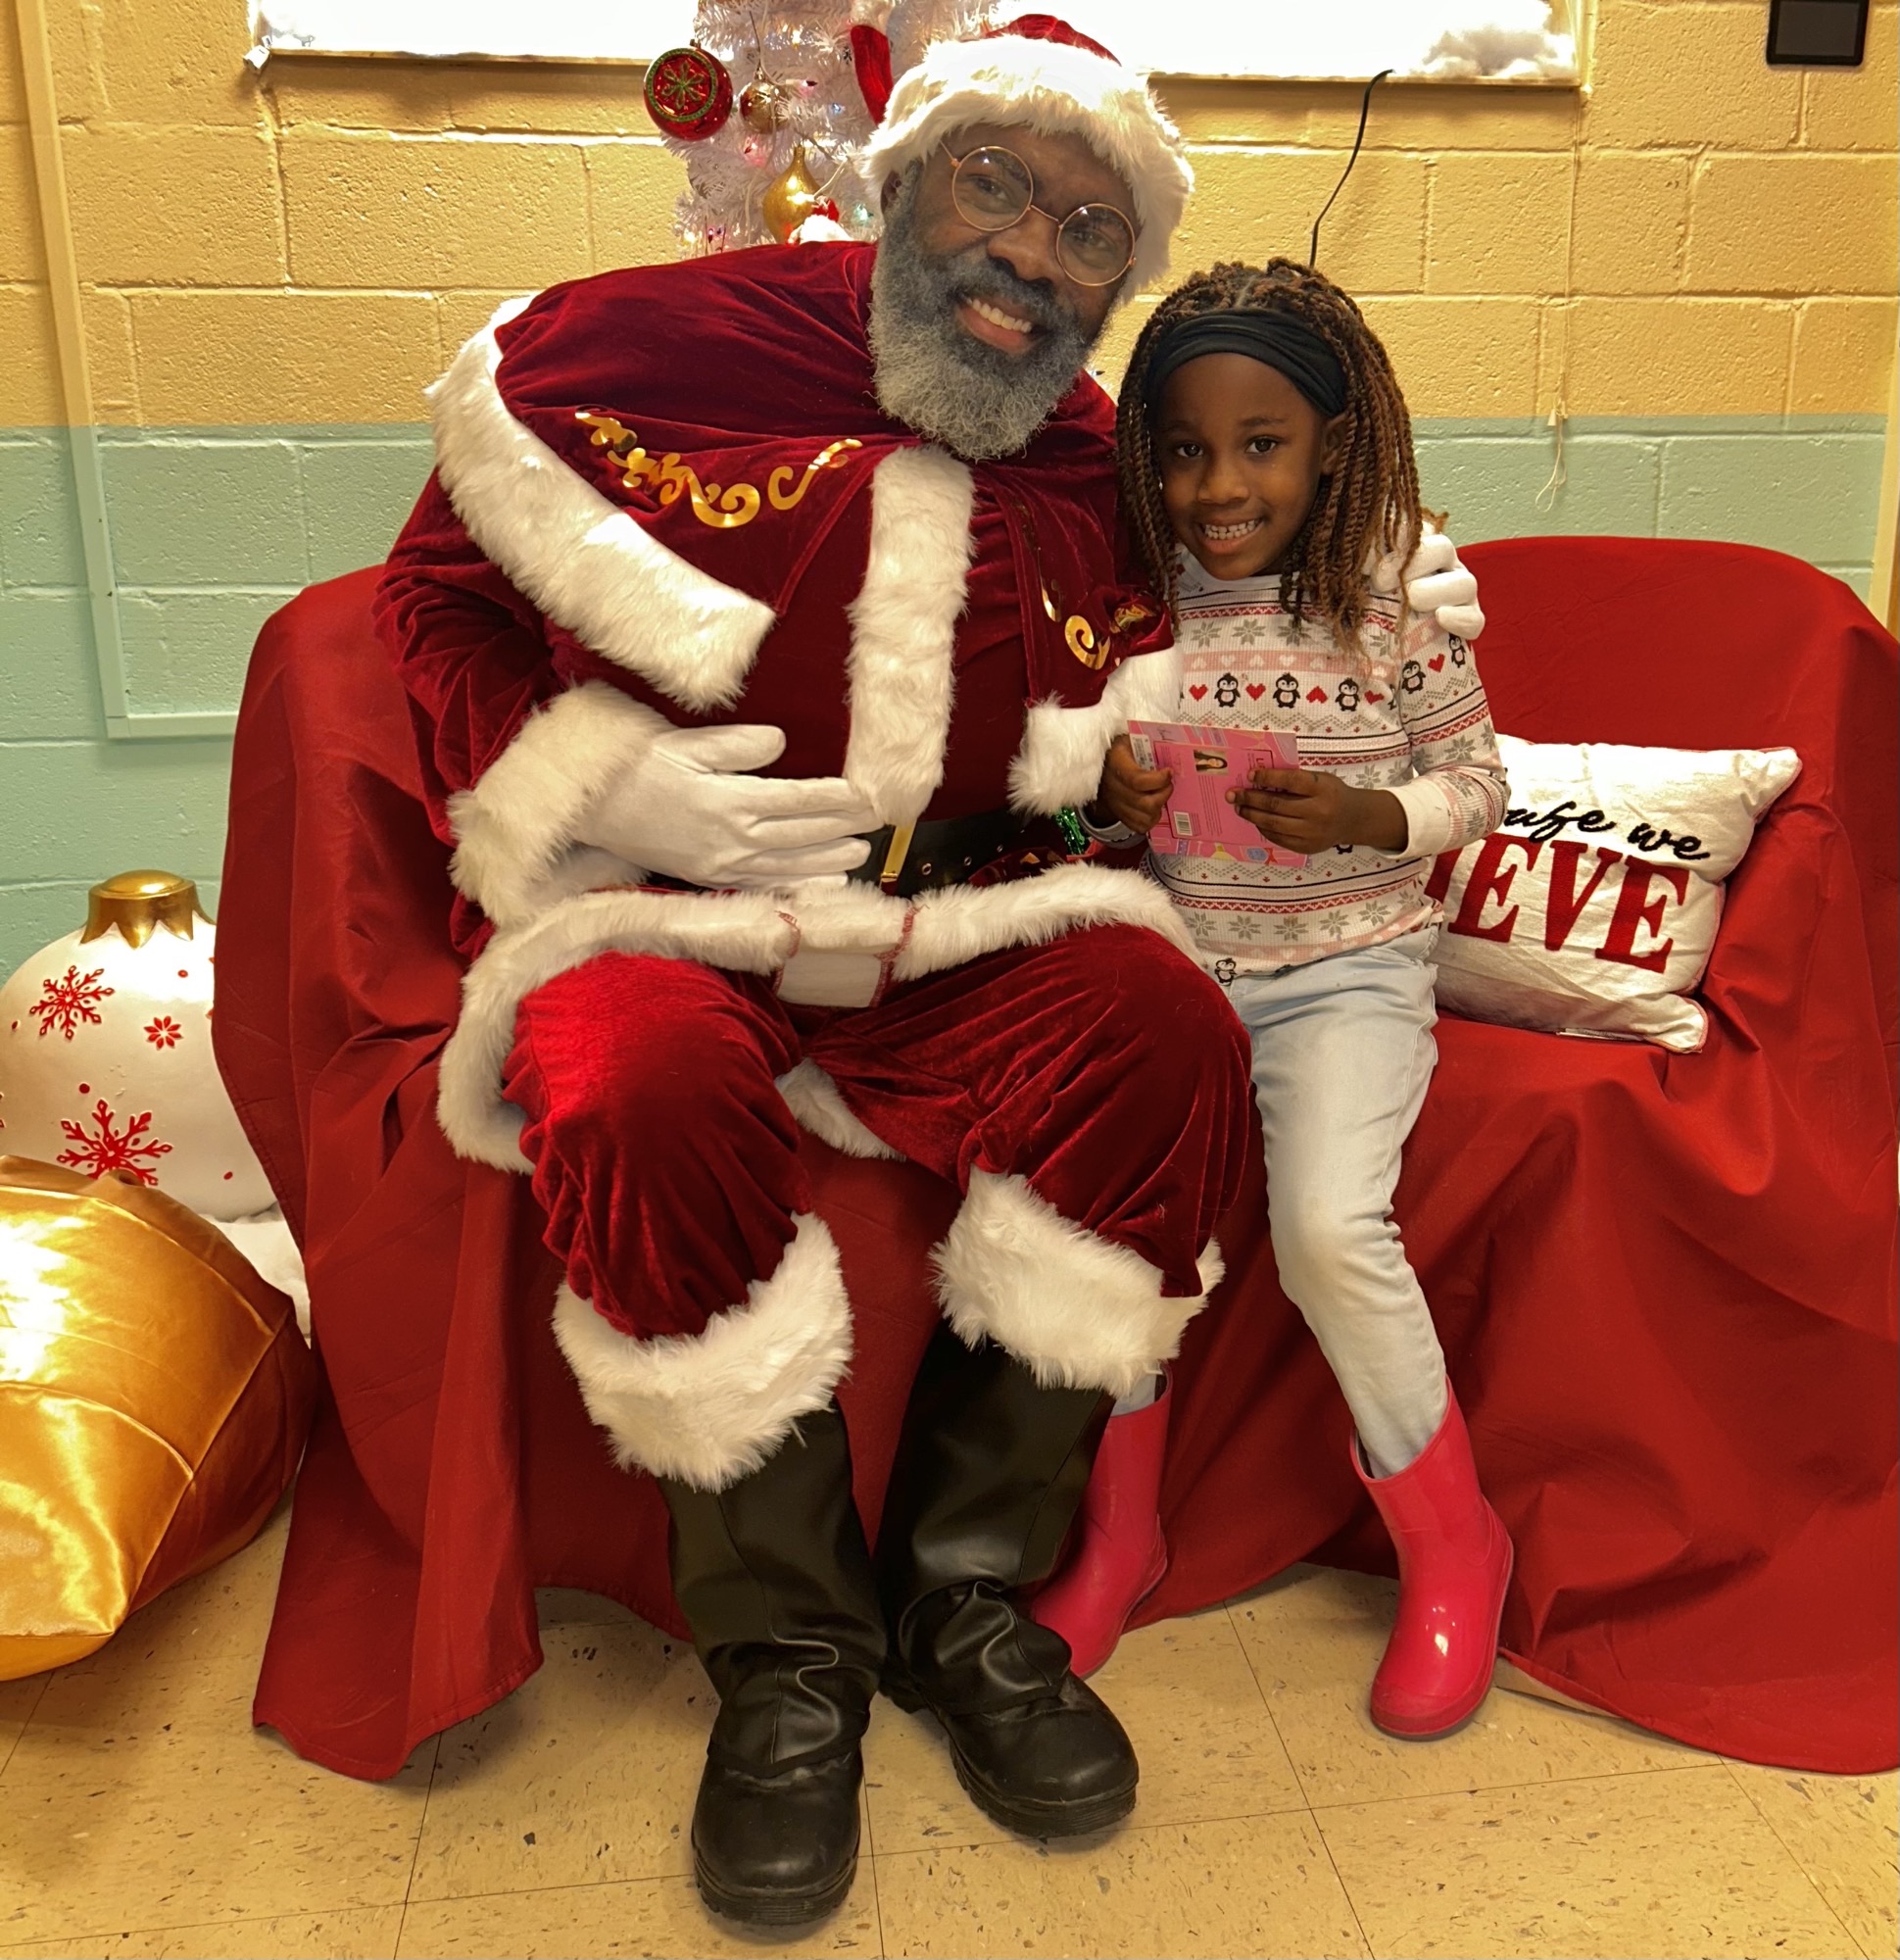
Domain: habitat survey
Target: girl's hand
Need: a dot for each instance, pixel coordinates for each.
(1307, 810)
(1130, 794)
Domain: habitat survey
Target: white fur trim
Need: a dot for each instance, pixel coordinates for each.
(813, 1098)
(707, 1408)
(964, 922)
(583, 560)
(1079, 1312)
(1064, 749)
(903, 629)
(516, 850)
(743, 931)
(1054, 90)
(756, 932)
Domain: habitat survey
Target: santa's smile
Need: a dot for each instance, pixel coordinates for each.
(1228, 534)
(994, 326)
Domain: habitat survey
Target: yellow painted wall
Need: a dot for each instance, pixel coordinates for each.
(274, 267)
(1701, 235)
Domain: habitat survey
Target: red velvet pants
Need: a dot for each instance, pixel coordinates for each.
(1103, 1067)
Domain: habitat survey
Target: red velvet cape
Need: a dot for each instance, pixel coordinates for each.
(1665, 1283)
(745, 363)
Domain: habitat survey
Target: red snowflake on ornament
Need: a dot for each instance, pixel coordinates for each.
(66, 1003)
(111, 1148)
(164, 1032)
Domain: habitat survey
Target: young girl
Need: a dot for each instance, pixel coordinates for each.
(1268, 477)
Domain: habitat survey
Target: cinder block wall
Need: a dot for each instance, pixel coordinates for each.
(1699, 257)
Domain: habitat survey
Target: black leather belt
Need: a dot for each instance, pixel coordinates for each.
(927, 857)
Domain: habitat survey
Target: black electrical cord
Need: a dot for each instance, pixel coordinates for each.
(1365, 109)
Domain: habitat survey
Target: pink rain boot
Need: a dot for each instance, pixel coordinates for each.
(1117, 1556)
(1454, 1563)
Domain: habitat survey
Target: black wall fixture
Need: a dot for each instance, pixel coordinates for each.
(1816, 34)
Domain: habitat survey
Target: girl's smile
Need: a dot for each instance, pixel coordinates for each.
(1241, 453)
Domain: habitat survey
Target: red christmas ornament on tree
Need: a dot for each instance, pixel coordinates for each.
(688, 93)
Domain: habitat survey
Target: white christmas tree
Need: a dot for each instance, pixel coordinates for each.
(793, 119)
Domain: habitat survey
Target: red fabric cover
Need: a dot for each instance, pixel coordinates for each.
(1665, 1283)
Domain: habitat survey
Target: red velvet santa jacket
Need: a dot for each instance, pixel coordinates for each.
(667, 497)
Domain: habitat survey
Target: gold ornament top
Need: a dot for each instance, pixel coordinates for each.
(138, 902)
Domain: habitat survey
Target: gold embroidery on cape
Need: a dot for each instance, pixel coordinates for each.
(722, 507)
(1081, 637)
(1077, 633)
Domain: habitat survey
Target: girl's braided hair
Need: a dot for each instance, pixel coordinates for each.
(1367, 506)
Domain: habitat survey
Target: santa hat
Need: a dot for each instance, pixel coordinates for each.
(1038, 74)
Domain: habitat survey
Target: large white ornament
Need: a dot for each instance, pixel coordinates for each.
(105, 1051)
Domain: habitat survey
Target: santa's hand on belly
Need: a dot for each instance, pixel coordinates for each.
(687, 808)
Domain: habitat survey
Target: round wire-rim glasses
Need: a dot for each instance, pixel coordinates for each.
(993, 188)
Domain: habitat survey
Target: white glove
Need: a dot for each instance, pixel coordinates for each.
(684, 808)
(1437, 581)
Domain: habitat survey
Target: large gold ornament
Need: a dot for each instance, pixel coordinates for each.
(791, 198)
(153, 1399)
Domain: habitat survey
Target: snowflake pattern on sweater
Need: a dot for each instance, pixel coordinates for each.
(1401, 709)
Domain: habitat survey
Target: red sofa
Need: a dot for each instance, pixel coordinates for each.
(1665, 1283)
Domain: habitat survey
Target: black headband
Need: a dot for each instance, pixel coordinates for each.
(1278, 339)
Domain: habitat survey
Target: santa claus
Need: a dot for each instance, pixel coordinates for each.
(765, 634)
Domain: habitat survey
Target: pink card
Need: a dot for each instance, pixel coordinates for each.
(1207, 762)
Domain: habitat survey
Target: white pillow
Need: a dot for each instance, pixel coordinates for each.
(1592, 908)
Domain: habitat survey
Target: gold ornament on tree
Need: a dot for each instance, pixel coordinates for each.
(766, 105)
(794, 196)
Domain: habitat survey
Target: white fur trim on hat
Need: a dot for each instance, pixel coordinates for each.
(1054, 90)
(1079, 1312)
(707, 1408)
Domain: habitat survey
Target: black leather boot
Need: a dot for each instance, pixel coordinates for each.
(988, 1474)
(774, 1578)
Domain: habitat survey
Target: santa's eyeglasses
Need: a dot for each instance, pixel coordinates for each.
(992, 189)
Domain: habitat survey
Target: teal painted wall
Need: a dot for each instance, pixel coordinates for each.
(213, 529)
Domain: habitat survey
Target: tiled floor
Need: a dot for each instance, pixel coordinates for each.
(141, 1815)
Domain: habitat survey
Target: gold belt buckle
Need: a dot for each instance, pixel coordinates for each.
(893, 867)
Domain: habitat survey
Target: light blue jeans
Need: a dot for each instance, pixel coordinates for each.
(1343, 1052)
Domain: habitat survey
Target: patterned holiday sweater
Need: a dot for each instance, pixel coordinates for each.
(1402, 709)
